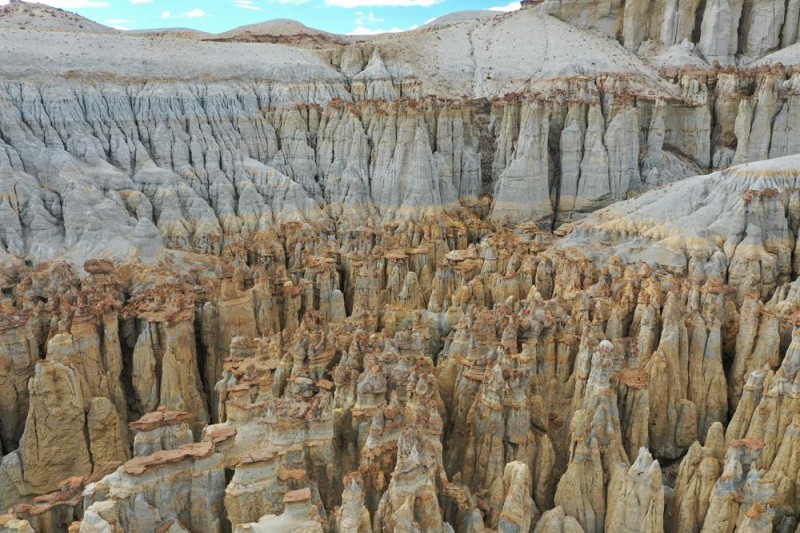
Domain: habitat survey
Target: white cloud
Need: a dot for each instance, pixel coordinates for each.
(361, 30)
(195, 13)
(294, 2)
(165, 14)
(366, 20)
(381, 3)
(246, 4)
(513, 6)
(363, 19)
(141, 1)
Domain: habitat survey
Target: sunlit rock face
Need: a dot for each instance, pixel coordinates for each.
(503, 273)
(722, 30)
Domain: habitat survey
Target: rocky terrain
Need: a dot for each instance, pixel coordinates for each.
(525, 272)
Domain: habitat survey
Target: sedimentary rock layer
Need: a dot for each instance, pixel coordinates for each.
(374, 286)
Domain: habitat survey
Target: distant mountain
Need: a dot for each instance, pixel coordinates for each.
(24, 15)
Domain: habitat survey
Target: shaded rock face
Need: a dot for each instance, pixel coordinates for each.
(316, 300)
(20, 352)
(48, 447)
(97, 167)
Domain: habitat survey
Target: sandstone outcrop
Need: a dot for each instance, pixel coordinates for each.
(48, 447)
(640, 502)
(132, 496)
(451, 280)
(19, 351)
(722, 30)
(504, 383)
(556, 153)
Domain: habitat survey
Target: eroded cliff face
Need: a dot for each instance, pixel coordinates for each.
(476, 380)
(127, 167)
(342, 293)
(126, 170)
(725, 31)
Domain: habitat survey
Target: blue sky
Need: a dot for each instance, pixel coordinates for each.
(338, 16)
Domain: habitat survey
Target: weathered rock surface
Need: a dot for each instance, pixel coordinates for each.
(722, 30)
(329, 137)
(359, 286)
(161, 430)
(465, 380)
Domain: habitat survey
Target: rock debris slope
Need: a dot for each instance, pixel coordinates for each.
(530, 272)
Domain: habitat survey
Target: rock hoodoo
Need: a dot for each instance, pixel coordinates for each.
(280, 280)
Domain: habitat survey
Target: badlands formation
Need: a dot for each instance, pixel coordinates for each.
(525, 272)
